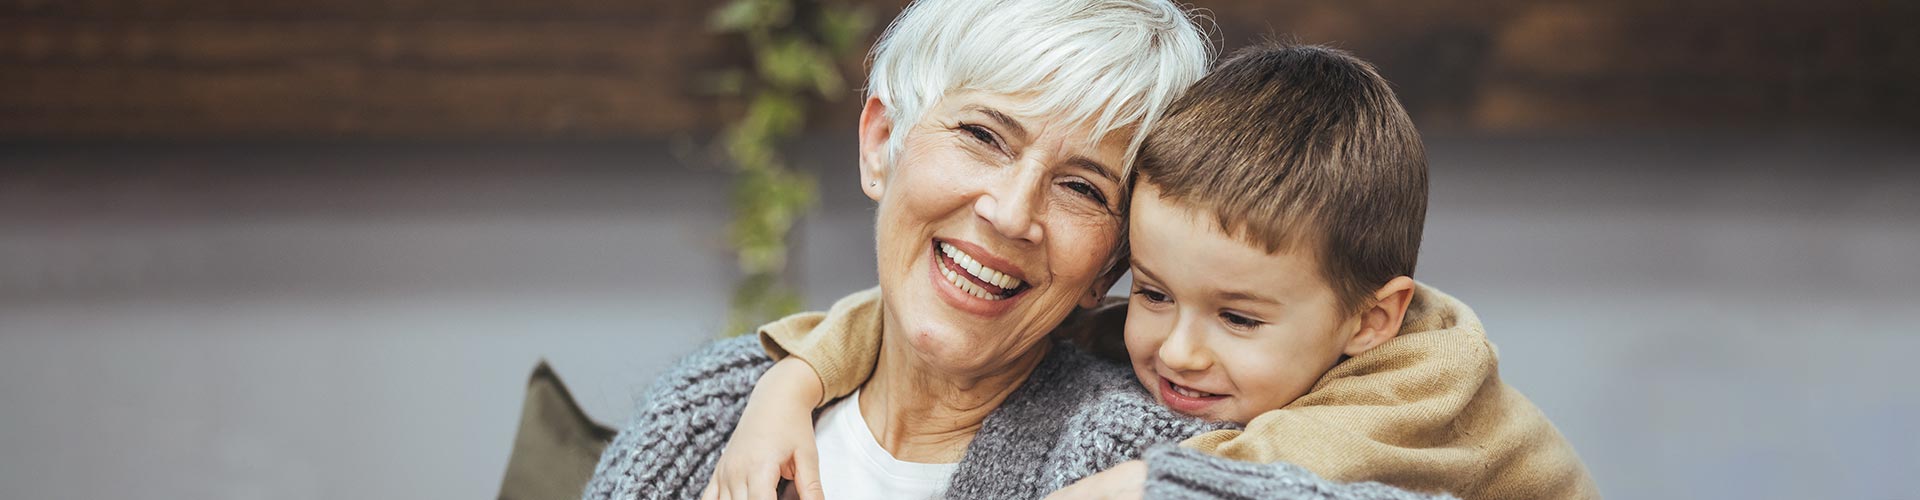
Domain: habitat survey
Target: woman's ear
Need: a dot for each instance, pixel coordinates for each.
(875, 130)
(1101, 285)
(1380, 322)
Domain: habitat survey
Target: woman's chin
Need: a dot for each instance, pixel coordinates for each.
(947, 349)
(953, 331)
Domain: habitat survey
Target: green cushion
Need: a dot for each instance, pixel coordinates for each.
(557, 445)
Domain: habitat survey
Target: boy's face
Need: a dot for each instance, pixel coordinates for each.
(1218, 328)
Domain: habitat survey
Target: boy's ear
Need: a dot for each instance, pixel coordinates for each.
(1380, 322)
(875, 129)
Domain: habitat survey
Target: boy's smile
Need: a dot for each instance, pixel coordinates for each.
(1185, 399)
(1218, 328)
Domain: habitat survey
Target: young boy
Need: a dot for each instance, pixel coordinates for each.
(1274, 228)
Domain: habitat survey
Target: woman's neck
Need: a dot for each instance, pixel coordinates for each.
(920, 414)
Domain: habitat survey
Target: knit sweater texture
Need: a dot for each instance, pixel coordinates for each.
(1426, 411)
(1074, 416)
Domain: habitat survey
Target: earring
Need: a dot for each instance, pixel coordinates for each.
(873, 184)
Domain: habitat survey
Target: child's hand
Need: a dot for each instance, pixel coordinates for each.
(1127, 480)
(774, 439)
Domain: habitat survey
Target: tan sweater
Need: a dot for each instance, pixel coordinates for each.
(1426, 411)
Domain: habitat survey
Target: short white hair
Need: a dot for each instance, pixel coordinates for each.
(1109, 63)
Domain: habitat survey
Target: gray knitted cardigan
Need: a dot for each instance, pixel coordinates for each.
(1074, 416)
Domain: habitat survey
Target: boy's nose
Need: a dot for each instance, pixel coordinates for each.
(1184, 349)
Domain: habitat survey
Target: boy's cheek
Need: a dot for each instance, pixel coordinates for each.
(1140, 339)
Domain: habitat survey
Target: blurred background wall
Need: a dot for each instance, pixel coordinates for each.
(312, 249)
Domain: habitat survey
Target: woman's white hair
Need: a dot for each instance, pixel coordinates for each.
(1113, 64)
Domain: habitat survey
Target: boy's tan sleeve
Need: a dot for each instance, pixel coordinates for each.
(1378, 411)
(841, 345)
(1425, 412)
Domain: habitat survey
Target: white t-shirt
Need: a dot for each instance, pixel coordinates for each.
(853, 466)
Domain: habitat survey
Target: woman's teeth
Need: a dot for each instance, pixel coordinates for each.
(1190, 392)
(977, 270)
(967, 286)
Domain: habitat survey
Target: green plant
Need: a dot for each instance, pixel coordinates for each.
(795, 46)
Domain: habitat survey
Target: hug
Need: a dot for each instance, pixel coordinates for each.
(1022, 156)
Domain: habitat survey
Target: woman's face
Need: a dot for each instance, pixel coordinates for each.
(991, 227)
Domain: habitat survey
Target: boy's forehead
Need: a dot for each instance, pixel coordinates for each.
(1175, 242)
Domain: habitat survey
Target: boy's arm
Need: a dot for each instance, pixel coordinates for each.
(1174, 472)
(821, 357)
(774, 438)
(837, 361)
(841, 345)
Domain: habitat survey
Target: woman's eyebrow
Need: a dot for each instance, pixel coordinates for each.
(1090, 164)
(1019, 132)
(1013, 126)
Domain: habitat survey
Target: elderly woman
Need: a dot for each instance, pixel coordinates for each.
(996, 140)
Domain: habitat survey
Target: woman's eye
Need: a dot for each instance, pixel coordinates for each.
(1087, 190)
(1240, 321)
(1151, 296)
(979, 133)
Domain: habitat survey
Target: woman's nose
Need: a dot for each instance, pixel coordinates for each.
(1183, 349)
(1012, 205)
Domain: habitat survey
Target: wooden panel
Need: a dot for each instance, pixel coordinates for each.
(430, 77)
(1507, 65)
(630, 68)
(1659, 67)
(359, 9)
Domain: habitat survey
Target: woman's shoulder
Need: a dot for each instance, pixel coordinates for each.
(1119, 420)
(668, 447)
(720, 359)
(1114, 426)
(720, 374)
(1108, 390)
(1012, 454)
(1074, 368)
(1076, 415)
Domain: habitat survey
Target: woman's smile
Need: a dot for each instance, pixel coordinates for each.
(971, 280)
(991, 227)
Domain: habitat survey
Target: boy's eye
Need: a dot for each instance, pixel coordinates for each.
(1151, 296)
(1240, 321)
(1087, 190)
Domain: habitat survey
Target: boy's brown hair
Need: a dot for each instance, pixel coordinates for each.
(1291, 147)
